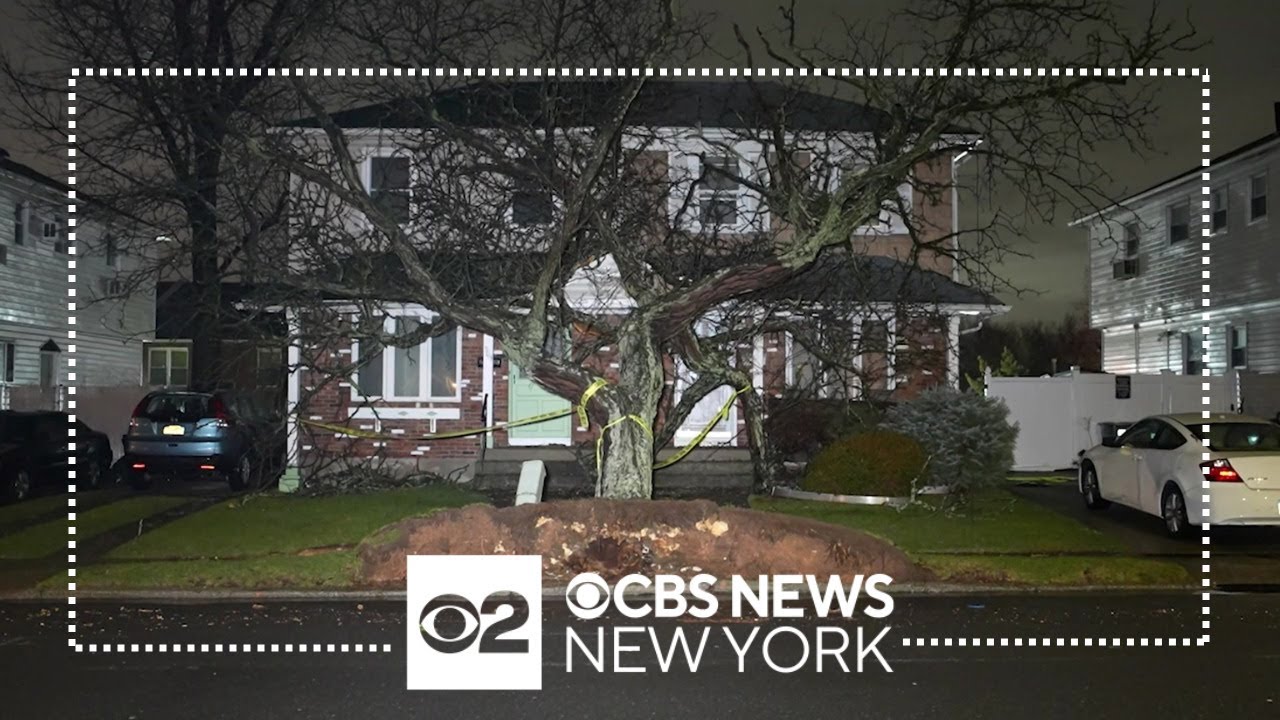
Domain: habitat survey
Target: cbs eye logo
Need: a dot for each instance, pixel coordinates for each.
(473, 622)
(451, 623)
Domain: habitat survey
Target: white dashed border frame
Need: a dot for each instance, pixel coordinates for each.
(77, 73)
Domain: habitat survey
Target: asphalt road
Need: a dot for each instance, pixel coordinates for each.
(1233, 676)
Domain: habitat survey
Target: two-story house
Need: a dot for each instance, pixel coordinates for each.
(1146, 276)
(111, 324)
(461, 380)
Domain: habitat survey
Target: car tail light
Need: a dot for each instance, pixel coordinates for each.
(221, 418)
(136, 419)
(139, 466)
(1219, 471)
(206, 467)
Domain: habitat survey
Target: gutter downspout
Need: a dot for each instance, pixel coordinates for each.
(956, 162)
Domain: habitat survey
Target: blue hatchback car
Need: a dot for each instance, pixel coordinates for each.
(178, 434)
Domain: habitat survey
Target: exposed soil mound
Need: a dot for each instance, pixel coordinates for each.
(617, 537)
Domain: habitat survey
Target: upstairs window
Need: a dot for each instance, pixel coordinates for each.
(719, 192)
(20, 221)
(1257, 197)
(1218, 209)
(1179, 216)
(389, 187)
(112, 252)
(1127, 266)
(531, 203)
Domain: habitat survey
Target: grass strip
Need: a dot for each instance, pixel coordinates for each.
(273, 524)
(50, 537)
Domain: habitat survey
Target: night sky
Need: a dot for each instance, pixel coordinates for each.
(1242, 53)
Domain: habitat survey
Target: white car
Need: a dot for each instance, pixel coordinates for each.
(1157, 465)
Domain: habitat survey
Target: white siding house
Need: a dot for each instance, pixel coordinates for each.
(1145, 270)
(34, 292)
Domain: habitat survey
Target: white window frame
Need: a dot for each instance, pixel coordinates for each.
(366, 176)
(22, 219)
(684, 376)
(891, 357)
(509, 214)
(1130, 250)
(1219, 201)
(1240, 332)
(1168, 219)
(168, 350)
(891, 222)
(8, 370)
(1253, 196)
(55, 375)
(685, 167)
(1192, 353)
(425, 360)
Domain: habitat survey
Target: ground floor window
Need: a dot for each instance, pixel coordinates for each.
(168, 366)
(1191, 354)
(1238, 335)
(8, 359)
(430, 370)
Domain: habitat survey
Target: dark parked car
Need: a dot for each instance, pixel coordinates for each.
(175, 434)
(34, 450)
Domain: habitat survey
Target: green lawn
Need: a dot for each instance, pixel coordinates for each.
(50, 537)
(996, 521)
(284, 524)
(20, 512)
(999, 539)
(333, 570)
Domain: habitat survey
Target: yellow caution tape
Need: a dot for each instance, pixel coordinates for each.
(697, 440)
(583, 420)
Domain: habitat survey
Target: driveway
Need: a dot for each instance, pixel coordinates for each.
(27, 555)
(1240, 556)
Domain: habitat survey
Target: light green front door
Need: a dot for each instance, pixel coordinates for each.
(525, 398)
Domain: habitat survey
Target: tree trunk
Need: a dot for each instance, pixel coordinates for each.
(206, 277)
(626, 469)
(764, 457)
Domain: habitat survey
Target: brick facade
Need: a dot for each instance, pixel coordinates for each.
(326, 395)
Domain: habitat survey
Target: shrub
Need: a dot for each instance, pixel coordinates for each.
(869, 463)
(967, 436)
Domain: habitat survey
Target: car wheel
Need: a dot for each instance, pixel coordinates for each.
(240, 477)
(19, 486)
(137, 480)
(1091, 491)
(1173, 508)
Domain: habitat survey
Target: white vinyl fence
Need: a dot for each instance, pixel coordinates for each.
(1260, 394)
(1058, 417)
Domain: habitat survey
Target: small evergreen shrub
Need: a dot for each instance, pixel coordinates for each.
(869, 463)
(967, 436)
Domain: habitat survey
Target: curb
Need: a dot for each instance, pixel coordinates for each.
(193, 597)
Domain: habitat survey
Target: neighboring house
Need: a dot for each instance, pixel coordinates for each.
(462, 380)
(252, 344)
(110, 329)
(1145, 270)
